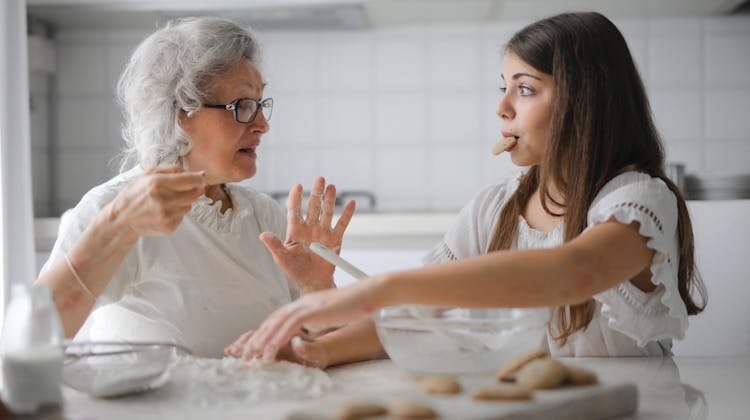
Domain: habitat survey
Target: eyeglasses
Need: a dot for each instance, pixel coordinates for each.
(246, 109)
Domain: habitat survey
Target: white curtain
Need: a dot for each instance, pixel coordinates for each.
(16, 209)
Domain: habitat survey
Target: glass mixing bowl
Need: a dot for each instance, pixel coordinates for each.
(108, 369)
(449, 340)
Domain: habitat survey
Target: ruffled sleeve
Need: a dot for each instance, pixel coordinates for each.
(473, 228)
(660, 314)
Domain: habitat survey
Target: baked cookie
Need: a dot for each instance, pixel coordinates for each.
(361, 410)
(580, 376)
(440, 385)
(545, 373)
(512, 366)
(503, 145)
(411, 410)
(502, 392)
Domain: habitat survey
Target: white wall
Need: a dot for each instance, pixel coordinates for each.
(409, 112)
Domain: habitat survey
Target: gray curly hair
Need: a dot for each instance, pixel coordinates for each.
(169, 72)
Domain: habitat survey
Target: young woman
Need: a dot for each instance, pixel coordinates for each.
(593, 229)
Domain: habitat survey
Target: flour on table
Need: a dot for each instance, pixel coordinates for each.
(210, 382)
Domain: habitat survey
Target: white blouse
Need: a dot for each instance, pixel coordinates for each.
(201, 286)
(627, 321)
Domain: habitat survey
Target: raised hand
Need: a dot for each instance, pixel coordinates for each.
(305, 268)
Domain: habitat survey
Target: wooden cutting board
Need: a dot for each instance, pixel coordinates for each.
(580, 403)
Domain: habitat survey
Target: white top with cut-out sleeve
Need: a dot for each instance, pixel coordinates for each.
(200, 286)
(627, 321)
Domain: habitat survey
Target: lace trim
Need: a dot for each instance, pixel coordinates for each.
(625, 290)
(663, 275)
(539, 234)
(643, 209)
(651, 215)
(208, 213)
(447, 251)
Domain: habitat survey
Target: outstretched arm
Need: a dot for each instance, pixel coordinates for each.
(606, 255)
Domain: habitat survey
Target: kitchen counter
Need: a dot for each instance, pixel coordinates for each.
(366, 230)
(668, 388)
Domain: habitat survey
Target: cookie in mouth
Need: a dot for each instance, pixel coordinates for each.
(503, 145)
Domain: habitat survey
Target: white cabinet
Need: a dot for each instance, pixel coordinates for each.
(722, 249)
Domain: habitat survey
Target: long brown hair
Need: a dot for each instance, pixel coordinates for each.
(601, 125)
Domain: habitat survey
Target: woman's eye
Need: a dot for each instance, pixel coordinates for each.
(525, 90)
(503, 89)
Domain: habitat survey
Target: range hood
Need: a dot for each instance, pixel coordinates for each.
(353, 14)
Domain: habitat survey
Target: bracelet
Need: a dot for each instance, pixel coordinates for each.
(77, 277)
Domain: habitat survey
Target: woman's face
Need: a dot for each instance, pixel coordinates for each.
(525, 110)
(222, 147)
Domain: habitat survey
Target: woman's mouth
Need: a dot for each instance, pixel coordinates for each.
(248, 151)
(505, 144)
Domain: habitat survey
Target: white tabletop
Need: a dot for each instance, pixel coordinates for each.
(668, 388)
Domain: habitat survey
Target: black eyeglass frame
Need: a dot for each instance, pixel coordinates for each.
(263, 103)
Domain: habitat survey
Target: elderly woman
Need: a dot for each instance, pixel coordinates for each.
(168, 250)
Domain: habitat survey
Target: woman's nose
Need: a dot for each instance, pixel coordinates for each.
(504, 109)
(260, 123)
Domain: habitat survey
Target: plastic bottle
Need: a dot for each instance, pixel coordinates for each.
(31, 350)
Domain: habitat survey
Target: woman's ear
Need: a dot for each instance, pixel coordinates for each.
(183, 119)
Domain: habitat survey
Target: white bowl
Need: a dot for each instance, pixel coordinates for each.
(444, 340)
(108, 369)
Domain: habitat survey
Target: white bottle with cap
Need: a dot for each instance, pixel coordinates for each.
(32, 351)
